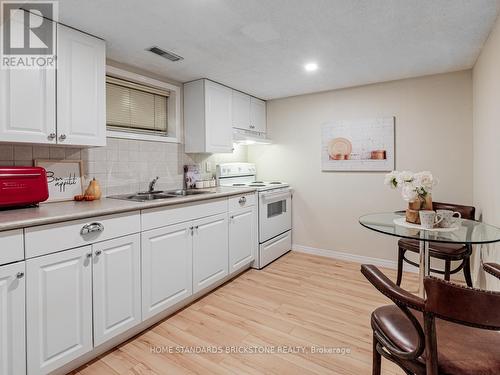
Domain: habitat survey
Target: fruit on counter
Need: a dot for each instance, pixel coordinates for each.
(86, 197)
(94, 189)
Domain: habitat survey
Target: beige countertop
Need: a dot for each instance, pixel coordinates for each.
(48, 213)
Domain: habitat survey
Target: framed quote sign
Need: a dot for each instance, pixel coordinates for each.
(64, 178)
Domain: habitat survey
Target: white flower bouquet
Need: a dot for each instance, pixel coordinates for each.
(415, 188)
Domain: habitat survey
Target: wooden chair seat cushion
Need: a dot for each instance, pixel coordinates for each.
(462, 350)
(436, 250)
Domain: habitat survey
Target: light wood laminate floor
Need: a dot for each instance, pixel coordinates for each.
(299, 301)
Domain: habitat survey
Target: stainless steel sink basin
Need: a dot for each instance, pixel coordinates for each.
(143, 197)
(156, 195)
(187, 192)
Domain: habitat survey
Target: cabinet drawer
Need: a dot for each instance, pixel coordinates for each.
(11, 246)
(163, 216)
(51, 238)
(241, 201)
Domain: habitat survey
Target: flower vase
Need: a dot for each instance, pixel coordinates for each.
(421, 203)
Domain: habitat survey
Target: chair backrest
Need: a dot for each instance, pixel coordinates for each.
(473, 307)
(467, 212)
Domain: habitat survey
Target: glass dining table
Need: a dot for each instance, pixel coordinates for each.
(464, 232)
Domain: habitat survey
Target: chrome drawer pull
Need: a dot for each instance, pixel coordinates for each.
(92, 228)
(242, 200)
(20, 275)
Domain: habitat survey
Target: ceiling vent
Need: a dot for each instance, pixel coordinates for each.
(165, 54)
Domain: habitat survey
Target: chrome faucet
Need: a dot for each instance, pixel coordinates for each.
(152, 184)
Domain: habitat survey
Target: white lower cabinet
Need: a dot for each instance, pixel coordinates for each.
(59, 308)
(116, 286)
(242, 238)
(12, 319)
(167, 273)
(210, 251)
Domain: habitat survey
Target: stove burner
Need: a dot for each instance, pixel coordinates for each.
(275, 183)
(256, 185)
(238, 184)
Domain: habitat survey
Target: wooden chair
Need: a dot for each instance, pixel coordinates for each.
(443, 251)
(455, 331)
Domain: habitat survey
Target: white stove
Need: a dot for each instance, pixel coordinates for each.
(274, 206)
(243, 175)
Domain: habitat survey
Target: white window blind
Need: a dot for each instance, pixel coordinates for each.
(135, 107)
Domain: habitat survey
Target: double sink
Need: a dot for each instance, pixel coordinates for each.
(155, 195)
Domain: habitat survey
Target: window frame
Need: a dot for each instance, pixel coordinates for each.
(173, 111)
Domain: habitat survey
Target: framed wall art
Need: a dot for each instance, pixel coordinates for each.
(361, 145)
(64, 178)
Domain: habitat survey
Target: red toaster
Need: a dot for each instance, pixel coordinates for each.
(23, 186)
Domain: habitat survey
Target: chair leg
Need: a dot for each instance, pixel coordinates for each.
(401, 255)
(377, 359)
(447, 270)
(467, 273)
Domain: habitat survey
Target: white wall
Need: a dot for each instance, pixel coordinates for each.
(486, 93)
(433, 132)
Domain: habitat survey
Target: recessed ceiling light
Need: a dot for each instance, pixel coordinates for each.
(311, 67)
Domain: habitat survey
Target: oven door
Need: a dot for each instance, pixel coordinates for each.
(275, 213)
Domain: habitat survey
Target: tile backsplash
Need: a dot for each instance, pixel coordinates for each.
(123, 166)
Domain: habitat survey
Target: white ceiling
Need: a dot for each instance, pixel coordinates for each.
(260, 46)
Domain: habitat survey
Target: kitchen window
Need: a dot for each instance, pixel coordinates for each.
(139, 107)
(134, 107)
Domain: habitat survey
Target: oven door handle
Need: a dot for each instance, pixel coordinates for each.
(276, 196)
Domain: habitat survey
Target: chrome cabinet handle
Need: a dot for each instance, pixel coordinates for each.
(92, 228)
(52, 136)
(88, 255)
(62, 137)
(242, 200)
(98, 252)
(20, 275)
(191, 230)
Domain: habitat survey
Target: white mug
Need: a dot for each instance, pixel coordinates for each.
(429, 219)
(449, 218)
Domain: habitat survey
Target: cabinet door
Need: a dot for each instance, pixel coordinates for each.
(116, 286)
(218, 117)
(242, 238)
(58, 308)
(258, 115)
(210, 251)
(81, 76)
(167, 259)
(12, 320)
(241, 110)
(28, 103)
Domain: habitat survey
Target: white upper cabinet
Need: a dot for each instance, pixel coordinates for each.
(249, 113)
(257, 115)
(116, 286)
(241, 110)
(12, 320)
(81, 83)
(59, 309)
(208, 117)
(28, 104)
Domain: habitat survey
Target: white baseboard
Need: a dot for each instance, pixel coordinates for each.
(352, 257)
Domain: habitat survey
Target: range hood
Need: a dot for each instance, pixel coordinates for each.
(248, 137)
